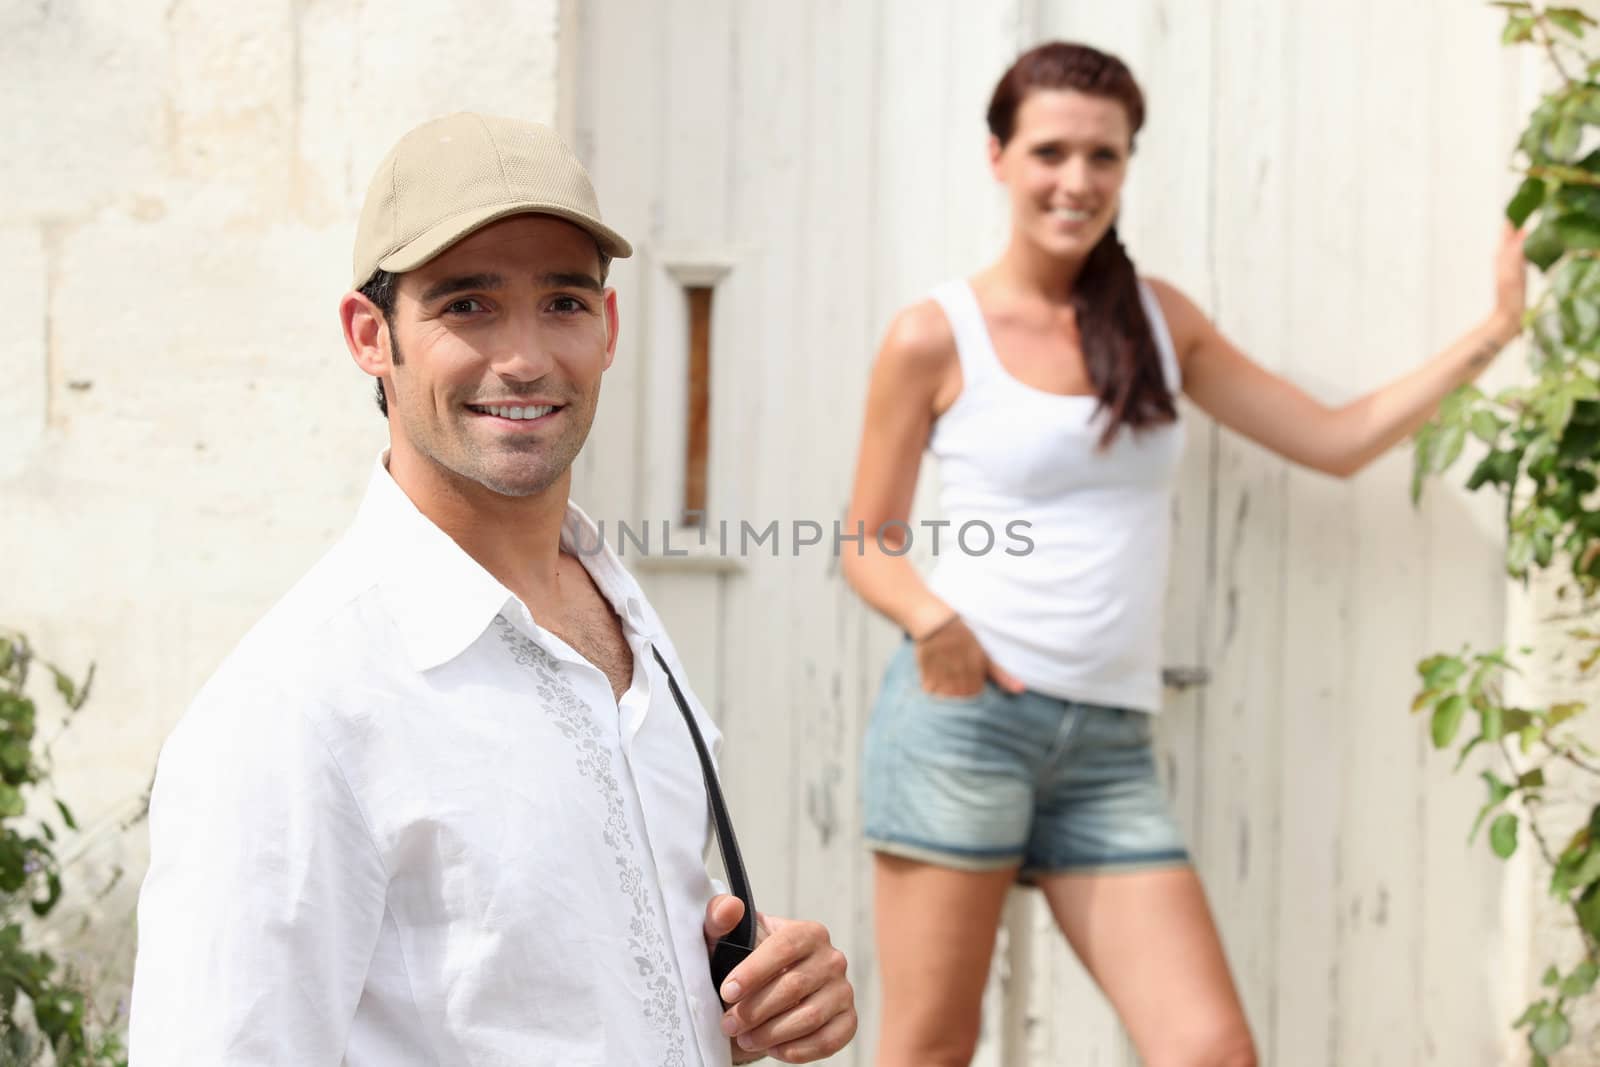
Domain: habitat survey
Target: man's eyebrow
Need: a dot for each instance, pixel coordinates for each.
(460, 284)
(572, 280)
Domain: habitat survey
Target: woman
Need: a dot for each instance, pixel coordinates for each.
(1011, 739)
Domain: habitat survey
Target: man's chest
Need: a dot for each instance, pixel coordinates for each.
(597, 636)
(517, 781)
(588, 625)
(544, 844)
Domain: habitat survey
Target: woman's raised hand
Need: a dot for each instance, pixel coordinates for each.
(1510, 282)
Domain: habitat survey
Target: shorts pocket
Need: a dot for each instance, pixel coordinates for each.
(972, 700)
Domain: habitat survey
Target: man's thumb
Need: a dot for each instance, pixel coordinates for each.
(723, 914)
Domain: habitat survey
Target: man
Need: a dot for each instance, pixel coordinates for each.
(439, 807)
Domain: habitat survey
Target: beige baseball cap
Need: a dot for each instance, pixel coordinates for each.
(454, 175)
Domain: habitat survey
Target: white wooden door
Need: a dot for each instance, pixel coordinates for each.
(1323, 179)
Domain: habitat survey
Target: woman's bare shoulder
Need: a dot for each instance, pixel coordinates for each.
(919, 340)
(1185, 320)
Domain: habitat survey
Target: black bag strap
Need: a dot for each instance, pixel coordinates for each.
(743, 936)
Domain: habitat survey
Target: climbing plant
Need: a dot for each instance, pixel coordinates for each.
(46, 1013)
(1540, 444)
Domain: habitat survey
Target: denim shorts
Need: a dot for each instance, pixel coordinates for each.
(999, 779)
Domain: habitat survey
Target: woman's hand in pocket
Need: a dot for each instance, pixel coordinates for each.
(952, 663)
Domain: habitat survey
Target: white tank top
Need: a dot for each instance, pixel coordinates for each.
(1077, 616)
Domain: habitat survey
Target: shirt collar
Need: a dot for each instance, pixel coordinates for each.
(441, 600)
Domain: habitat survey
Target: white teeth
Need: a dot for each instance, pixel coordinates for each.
(1071, 214)
(520, 413)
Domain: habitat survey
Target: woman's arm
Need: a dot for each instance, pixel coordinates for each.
(916, 368)
(916, 376)
(1276, 414)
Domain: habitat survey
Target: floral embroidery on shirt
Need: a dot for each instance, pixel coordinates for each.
(572, 718)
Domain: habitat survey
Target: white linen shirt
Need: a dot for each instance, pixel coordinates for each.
(404, 826)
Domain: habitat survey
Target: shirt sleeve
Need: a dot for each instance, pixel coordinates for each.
(265, 894)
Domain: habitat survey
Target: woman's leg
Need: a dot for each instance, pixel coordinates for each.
(936, 931)
(1111, 861)
(1148, 939)
(948, 787)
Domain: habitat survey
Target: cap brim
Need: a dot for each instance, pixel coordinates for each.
(441, 235)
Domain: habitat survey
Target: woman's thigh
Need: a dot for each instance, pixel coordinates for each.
(1148, 940)
(936, 931)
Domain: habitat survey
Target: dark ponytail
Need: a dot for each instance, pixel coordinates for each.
(1119, 346)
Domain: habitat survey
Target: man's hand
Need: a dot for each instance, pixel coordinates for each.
(790, 999)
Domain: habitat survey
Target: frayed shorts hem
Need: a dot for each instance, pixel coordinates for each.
(981, 860)
(958, 860)
(1154, 861)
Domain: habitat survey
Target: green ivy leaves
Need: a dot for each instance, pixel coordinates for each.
(30, 874)
(1503, 835)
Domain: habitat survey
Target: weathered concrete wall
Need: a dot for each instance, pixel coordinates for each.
(181, 431)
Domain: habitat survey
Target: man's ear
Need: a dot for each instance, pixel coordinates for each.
(612, 325)
(365, 331)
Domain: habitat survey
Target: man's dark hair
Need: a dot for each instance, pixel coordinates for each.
(380, 289)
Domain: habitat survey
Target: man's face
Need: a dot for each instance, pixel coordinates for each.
(497, 350)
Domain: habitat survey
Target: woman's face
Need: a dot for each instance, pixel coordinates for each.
(1064, 167)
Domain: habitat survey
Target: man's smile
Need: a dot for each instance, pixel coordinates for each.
(515, 412)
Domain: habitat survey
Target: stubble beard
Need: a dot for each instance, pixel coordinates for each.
(518, 469)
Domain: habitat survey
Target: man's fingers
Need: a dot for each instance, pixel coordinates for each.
(788, 942)
(790, 998)
(818, 1002)
(722, 914)
(766, 1003)
(820, 1044)
(805, 1024)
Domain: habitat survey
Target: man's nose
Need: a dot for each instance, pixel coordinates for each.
(522, 356)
